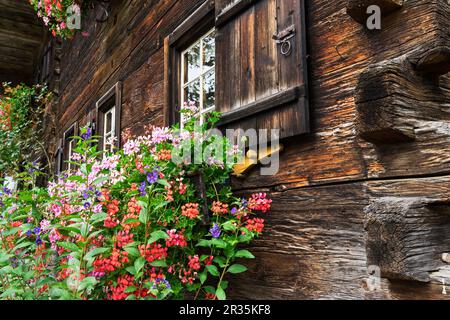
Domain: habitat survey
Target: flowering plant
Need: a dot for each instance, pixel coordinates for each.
(58, 14)
(133, 224)
(21, 110)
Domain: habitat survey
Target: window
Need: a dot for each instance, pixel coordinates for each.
(109, 131)
(190, 64)
(68, 145)
(262, 78)
(44, 74)
(198, 81)
(108, 118)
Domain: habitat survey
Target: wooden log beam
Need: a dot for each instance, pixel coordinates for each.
(380, 103)
(357, 9)
(405, 236)
(435, 61)
(393, 101)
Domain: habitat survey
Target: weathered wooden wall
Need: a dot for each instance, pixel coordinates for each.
(316, 244)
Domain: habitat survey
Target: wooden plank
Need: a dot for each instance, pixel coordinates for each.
(262, 105)
(205, 9)
(227, 12)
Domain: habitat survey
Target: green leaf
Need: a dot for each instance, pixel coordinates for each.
(87, 282)
(132, 251)
(159, 263)
(22, 245)
(98, 217)
(131, 270)
(203, 276)
(237, 268)
(220, 293)
(244, 254)
(100, 180)
(130, 289)
(224, 285)
(164, 183)
(229, 226)
(161, 205)
(143, 216)
(210, 289)
(218, 243)
(139, 264)
(69, 246)
(204, 243)
(212, 269)
(95, 252)
(75, 178)
(220, 261)
(157, 235)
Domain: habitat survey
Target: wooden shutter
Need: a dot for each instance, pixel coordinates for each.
(256, 85)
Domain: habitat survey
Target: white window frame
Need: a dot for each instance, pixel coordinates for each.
(203, 72)
(70, 145)
(112, 133)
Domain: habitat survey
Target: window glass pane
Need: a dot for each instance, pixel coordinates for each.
(209, 88)
(108, 122)
(192, 63)
(209, 51)
(192, 92)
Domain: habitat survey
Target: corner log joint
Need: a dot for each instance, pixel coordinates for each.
(406, 236)
(357, 9)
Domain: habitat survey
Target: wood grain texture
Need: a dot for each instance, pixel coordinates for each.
(316, 243)
(357, 9)
(22, 38)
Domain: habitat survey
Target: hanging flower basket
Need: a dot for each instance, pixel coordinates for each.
(63, 17)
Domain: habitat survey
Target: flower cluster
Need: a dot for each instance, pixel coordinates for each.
(59, 15)
(132, 224)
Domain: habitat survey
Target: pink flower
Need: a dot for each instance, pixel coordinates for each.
(97, 208)
(56, 210)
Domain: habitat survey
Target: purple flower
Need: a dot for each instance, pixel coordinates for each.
(87, 205)
(244, 203)
(152, 177)
(37, 230)
(7, 191)
(234, 211)
(142, 189)
(215, 231)
(29, 233)
(87, 134)
(161, 282)
(38, 241)
(85, 195)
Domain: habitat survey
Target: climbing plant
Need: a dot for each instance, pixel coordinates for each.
(21, 111)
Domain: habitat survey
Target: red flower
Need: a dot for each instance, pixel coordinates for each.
(175, 239)
(164, 155)
(255, 224)
(133, 213)
(123, 282)
(208, 261)
(190, 210)
(152, 252)
(194, 263)
(219, 207)
(124, 238)
(259, 202)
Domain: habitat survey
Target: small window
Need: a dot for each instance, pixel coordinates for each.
(68, 147)
(190, 64)
(198, 82)
(108, 118)
(44, 76)
(109, 131)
